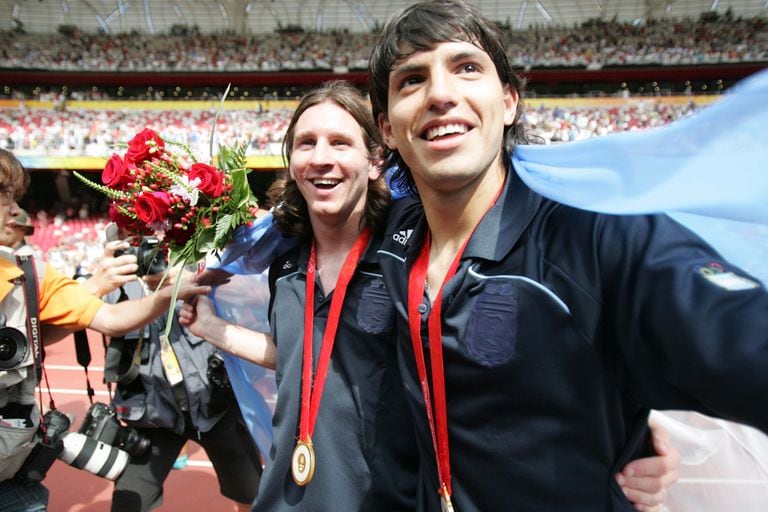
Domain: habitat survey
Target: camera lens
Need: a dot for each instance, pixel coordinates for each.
(132, 441)
(13, 348)
(83, 452)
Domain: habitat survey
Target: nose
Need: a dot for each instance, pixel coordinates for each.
(13, 207)
(441, 90)
(321, 154)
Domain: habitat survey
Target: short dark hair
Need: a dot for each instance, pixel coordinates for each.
(291, 213)
(13, 178)
(420, 27)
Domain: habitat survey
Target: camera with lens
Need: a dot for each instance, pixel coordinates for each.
(103, 446)
(150, 258)
(222, 395)
(51, 435)
(101, 423)
(14, 347)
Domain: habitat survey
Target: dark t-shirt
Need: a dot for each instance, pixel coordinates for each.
(363, 438)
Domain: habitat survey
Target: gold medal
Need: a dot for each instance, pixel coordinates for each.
(445, 500)
(303, 462)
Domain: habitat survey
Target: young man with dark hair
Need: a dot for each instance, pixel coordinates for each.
(534, 337)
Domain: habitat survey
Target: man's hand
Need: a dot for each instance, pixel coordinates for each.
(196, 314)
(645, 481)
(213, 277)
(188, 288)
(111, 272)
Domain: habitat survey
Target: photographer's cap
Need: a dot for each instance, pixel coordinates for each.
(22, 220)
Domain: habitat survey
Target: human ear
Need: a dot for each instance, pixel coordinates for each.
(385, 128)
(511, 99)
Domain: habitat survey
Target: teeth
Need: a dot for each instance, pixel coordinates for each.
(325, 181)
(448, 129)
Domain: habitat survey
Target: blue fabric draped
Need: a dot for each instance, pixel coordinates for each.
(244, 301)
(708, 171)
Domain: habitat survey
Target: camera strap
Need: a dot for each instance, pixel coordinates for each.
(83, 352)
(120, 366)
(26, 264)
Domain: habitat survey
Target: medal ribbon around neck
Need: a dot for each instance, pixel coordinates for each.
(312, 391)
(437, 417)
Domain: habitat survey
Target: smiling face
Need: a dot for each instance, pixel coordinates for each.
(331, 164)
(446, 113)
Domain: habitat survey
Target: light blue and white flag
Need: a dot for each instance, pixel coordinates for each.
(709, 171)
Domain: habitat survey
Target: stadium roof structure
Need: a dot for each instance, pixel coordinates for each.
(264, 16)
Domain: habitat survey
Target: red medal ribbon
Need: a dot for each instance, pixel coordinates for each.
(437, 418)
(312, 391)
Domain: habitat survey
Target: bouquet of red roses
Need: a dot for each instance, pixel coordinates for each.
(159, 187)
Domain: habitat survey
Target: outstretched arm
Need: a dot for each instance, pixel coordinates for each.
(200, 318)
(118, 319)
(645, 481)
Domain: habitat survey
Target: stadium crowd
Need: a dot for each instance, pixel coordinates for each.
(81, 132)
(594, 44)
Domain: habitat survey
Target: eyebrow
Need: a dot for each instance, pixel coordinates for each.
(416, 67)
(313, 134)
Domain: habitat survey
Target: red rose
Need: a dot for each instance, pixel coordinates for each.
(211, 179)
(122, 220)
(142, 146)
(117, 174)
(152, 207)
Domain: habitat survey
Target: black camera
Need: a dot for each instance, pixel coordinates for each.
(102, 445)
(14, 346)
(222, 395)
(101, 424)
(51, 434)
(150, 258)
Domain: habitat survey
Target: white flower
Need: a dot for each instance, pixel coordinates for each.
(189, 191)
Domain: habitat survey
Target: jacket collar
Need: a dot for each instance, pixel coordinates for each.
(500, 228)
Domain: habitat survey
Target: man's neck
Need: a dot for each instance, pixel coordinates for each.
(452, 217)
(332, 245)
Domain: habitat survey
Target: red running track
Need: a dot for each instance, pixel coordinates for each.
(73, 490)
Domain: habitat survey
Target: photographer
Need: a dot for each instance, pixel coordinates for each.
(33, 294)
(200, 407)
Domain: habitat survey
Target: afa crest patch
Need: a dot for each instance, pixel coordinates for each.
(375, 312)
(492, 330)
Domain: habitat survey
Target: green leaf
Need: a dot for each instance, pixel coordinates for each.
(205, 239)
(110, 193)
(241, 190)
(223, 227)
(231, 158)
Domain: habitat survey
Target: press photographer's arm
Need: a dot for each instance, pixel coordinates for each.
(123, 317)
